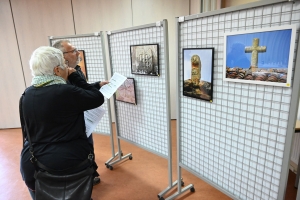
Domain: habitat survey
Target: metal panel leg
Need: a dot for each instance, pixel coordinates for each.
(298, 173)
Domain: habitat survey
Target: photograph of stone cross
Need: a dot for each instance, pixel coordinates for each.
(260, 56)
(255, 49)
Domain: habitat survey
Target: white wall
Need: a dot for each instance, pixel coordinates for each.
(298, 115)
(12, 82)
(35, 20)
(101, 15)
(229, 3)
(32, 21)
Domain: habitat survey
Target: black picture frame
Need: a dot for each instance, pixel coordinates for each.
(126, 92)
(198, 64)
(145, 59)
(82, 63)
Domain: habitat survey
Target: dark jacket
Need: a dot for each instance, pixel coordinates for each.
(80, 73)
(55, 120)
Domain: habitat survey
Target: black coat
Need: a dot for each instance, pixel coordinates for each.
(80, 73)
(55, 120)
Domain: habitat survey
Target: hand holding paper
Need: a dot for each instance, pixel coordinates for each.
(114, 83)
(92, 118)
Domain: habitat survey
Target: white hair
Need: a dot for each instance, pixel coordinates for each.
(44, 59)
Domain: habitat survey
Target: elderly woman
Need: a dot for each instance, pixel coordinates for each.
(53, 112)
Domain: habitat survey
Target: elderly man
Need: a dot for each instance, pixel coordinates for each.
(72, 58)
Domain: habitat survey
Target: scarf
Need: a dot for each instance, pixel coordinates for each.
(46, 80)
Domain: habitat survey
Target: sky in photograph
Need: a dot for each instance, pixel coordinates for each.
(206, 63)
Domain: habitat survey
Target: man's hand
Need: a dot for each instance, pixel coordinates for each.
(71, 70)
(103, 83)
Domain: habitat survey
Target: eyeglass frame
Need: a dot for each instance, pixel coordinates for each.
(72, 51)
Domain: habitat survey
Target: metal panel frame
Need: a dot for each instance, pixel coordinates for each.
(96, 34)
(292, 110)
(291, 124)
(164, 24)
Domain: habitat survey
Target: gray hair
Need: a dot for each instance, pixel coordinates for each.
(44, 59)
(58, 44)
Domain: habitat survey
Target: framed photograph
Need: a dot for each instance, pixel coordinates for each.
(126, 92)
(198, 64)
(82, 63)
(261, 56)
(144, 59)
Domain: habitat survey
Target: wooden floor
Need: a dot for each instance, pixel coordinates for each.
(141, 178)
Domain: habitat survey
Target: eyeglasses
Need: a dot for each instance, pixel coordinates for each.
(72, 51)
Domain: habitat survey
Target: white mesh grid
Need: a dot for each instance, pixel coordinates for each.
(236, 142)
(92, 47)
(146, 123)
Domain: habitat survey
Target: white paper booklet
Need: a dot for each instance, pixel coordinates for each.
(114, 83)
(92, 118)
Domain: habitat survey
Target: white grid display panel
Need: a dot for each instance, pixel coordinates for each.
(92, 47)
(237, 141)
(146, 123)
